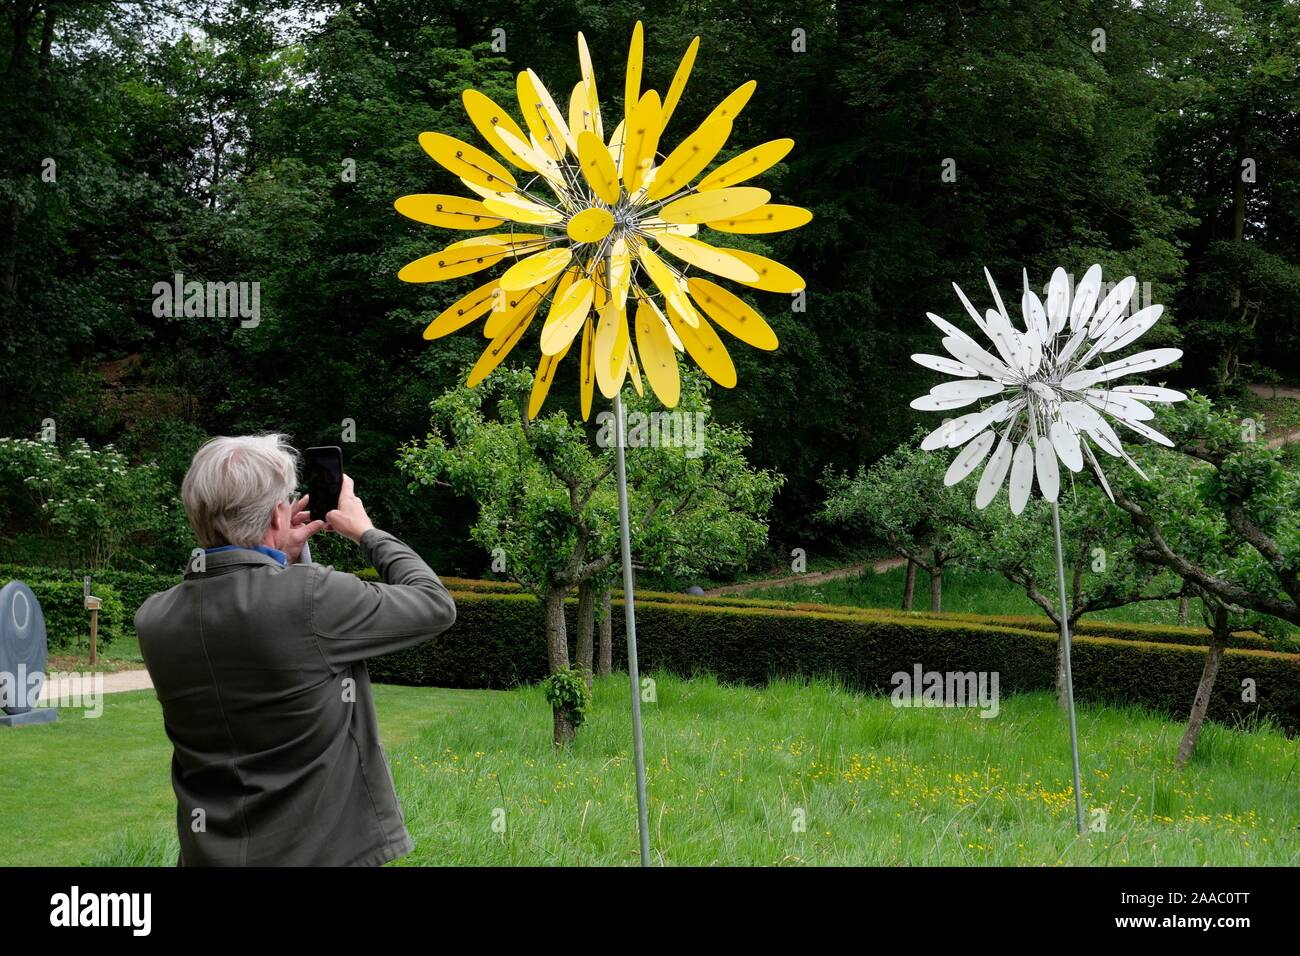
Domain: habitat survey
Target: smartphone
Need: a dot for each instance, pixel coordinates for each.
(324, 468)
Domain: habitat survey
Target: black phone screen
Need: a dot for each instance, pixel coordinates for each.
(324, 468)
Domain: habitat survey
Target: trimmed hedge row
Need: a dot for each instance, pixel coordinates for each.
(498, 643)
(1119, 630)
(67, 622)
(129, 587)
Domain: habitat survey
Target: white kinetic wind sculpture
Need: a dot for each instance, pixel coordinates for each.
(1053, 402)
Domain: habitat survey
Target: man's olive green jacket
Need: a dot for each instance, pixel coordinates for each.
(265, 695)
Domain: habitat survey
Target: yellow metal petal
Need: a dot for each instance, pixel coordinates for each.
(568, 312)
(466, 161)
(706, 348)
(679, 80)
(536, 269)
(458, 259)
(542, 380)
(715, 204)
(464, 311)
(591, 225)
(587, 372)
(768, 218)
(772, 276)
(611, 349)
(657, 354)
(447, 212)
(598, 167)
(685, 162)
(642, 140)
(642, 296)
(655, 226)
(665, 280)
(539, 160)
(616, 145)
(632, 82)
(517, 208)
(500, 347)
(541, 115)
(620, 271)
(732, 313)
(730, 108)
(709, 258)
(747, 165)
(634, 370)
(489, 119)
(589, 78)
(580, 115)
(508, 307)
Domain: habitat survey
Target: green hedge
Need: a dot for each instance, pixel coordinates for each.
(499, 642)
(131, 587)
(1119, 630)
(67, 622)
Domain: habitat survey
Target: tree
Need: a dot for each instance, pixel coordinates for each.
(902, 500)
(1222, 512)
(547, 501)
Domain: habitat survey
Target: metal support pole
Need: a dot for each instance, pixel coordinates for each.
(629, 617)
(1065, 655)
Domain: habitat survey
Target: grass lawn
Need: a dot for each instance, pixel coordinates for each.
(965, 592)
(733, 773)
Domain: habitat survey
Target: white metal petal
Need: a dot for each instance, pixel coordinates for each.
(968, 459)
(1034, 342)
(1142, 362)
(1066, 442)
(967, 352)
(1084, 378)
(997, 296)
(967, 388)
(1022, 477)
(974, 312)
(1071, 346)
(1080, 416)
(1085, 297)
(1121, 406)
(945, 365)
(957, 431)
(1058, 300)
(995, 472)
(934, 403)
(1049, 476)
(966, 427)
(1005, 340)
(1106, 439)
(1031, 307)
(950, 330)
(1149, 393)
(1112, 307)
(1148, 432)
(1132, 328)
(1096, 469)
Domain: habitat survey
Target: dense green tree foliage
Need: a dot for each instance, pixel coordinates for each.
(264, 141)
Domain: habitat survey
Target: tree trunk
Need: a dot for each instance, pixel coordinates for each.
(936, 588)
(606, 634)
(586, 627)
(1061, 699)
(1183, 602)
(909, 586)
(557, 653)
(1201, 705)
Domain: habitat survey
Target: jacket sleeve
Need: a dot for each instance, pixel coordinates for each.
(354, 619)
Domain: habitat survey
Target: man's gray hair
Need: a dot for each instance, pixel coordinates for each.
(234, 485)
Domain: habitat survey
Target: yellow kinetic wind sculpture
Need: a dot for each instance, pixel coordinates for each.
(598, 231)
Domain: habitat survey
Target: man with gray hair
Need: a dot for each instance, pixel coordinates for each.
(259, 660)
